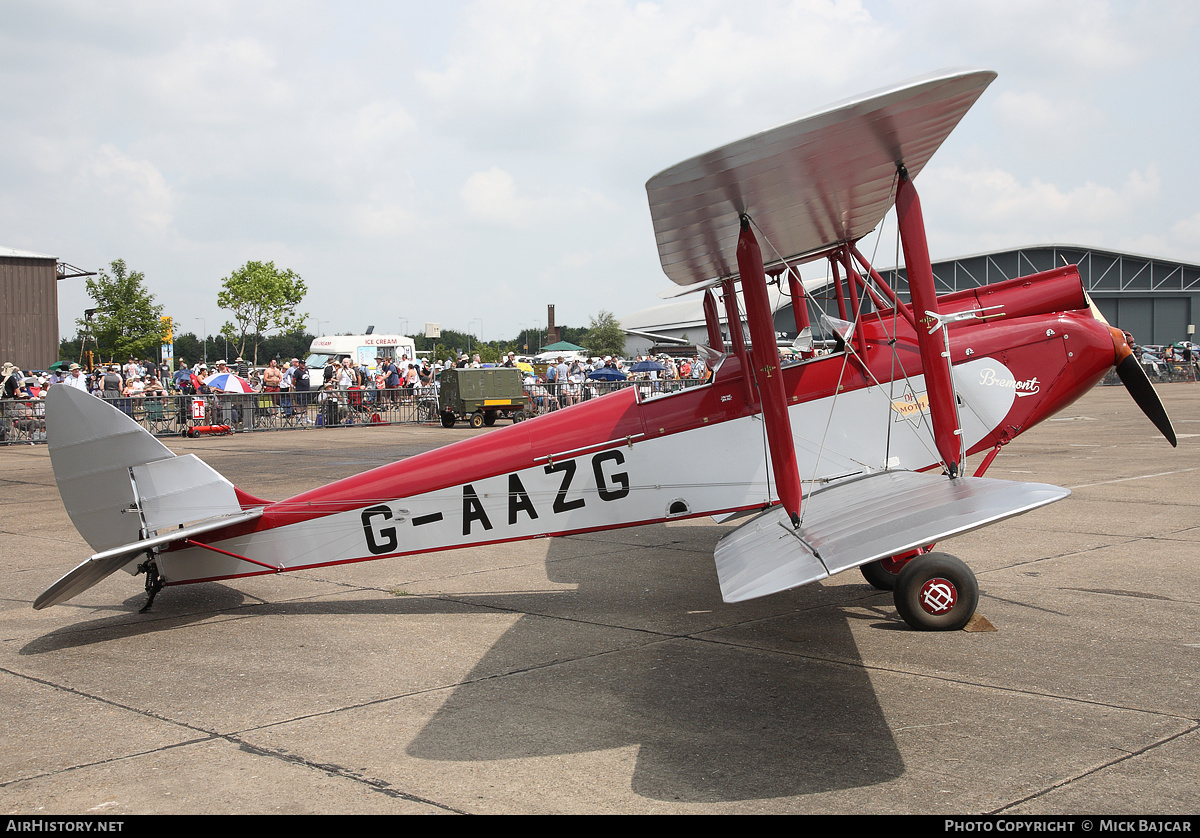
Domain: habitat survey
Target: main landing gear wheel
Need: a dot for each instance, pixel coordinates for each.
(882, 574)
(936, 592)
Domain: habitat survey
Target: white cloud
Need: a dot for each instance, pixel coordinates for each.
(974, 209)
(515, 136)
(1041, 120)
(130, 190)
(570, 70)
(1183, 237)
(1077, 38)
(380, 217)
(491, 197)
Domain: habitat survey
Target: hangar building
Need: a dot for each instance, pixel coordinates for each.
(1155, 300)
(29, 306)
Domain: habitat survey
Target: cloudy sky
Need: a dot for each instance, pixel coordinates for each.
(467, 163)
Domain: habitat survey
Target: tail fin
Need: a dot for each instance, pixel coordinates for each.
(121, 486)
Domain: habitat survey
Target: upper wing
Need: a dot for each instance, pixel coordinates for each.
(809, 184)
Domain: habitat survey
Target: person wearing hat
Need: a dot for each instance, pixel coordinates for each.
(18, 415)
(301, 384)
(345, 376)
(75, 378)
(289, 369)
(14, 388)
(391, 379)
(153, 387)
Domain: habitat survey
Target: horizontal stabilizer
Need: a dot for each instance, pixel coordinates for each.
(181, 490)
(863, 519)
(105, 563)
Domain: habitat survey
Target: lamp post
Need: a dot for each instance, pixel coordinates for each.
(204, 339)
(480, 336)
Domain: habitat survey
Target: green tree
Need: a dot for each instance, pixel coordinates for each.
(286, 346)
(605, 337)
(188, 347)
(263, 299)
(126, 320)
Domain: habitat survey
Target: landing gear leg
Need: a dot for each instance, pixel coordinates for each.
(936, 592)
(153, 583)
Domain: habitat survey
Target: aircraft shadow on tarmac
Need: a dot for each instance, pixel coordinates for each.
(734, 711)
(713, 717)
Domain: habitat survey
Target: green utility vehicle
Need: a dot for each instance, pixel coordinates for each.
(481, 396)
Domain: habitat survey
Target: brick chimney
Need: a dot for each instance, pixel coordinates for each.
(551, 330)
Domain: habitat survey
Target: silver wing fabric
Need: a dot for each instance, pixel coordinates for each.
(810, 184)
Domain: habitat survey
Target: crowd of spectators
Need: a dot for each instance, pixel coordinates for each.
(391, 381)
(1168, 363)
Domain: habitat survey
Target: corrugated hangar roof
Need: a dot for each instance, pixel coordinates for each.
(12, 252)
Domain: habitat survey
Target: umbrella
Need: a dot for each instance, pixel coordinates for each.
(182, 375)
(606, 374)
(563, 346)
(647, 366)
(524, 367)
(228, 382)
(58, 365)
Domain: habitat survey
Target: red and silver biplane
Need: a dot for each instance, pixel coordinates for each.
(849, 459)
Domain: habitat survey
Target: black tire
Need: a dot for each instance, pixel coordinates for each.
(878, 575)
(936, 592)
(489, 418)
(476, 420)
(519, 416)
(447, 420)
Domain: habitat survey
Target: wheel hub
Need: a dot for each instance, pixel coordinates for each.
(938, 595)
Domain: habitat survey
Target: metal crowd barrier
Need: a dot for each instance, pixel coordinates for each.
(237, 412)
(545, 398)
(23, 420)
(1162, 372)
